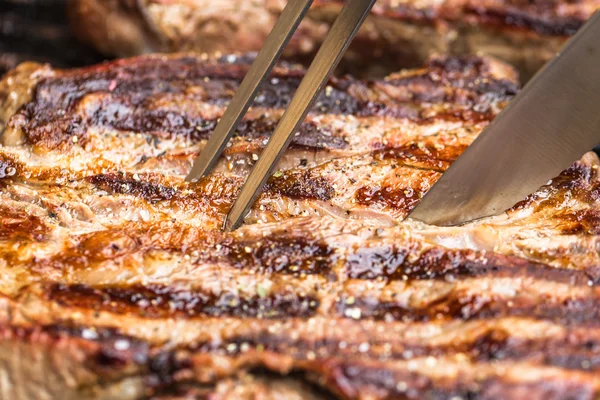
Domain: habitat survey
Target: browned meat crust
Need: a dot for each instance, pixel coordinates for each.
(399, 33)
(117, 283)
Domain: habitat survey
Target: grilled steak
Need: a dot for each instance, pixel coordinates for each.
(523, 32)
(117, 282)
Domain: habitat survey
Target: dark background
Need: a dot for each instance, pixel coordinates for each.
(38, 30)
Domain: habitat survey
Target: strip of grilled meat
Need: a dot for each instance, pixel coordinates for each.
(117, 283)
(523, 32)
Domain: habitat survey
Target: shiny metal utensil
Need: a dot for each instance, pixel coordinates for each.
(549, 124)
(337, 41)
(279, 37)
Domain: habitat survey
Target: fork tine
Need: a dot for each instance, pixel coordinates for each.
(339, 37)
(283, 30)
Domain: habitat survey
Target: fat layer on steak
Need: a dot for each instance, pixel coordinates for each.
(116, 281)
(523, 32)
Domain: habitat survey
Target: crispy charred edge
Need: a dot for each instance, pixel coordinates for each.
(576, 311)
(215, 193)
(156, 301)
(298, 254)
(581, 180)
(304, 184)
(122, 183)
(50, 118)
(418, 155)
(396, 262)
(15, 90)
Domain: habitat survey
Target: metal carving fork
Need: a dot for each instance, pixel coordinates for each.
(333, 48)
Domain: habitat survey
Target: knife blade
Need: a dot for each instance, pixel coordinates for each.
(552, 122)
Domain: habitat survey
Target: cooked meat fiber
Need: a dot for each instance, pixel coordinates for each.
(118, 284)
(523, 32)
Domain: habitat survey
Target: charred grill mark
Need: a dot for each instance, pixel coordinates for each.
(426, 89)
(304, 184)
(456, 305)
(492, 345)
(313, 136)
(310, 135)
(155, 301)
(398, 199)
(120, 114)
(50, 114)
(213, 193)
(119, 183)
(274, 255)
(348, 379)
(129, 90)
(169, 124)
(393, 262)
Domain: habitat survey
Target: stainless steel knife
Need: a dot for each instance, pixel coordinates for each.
(552, 122)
